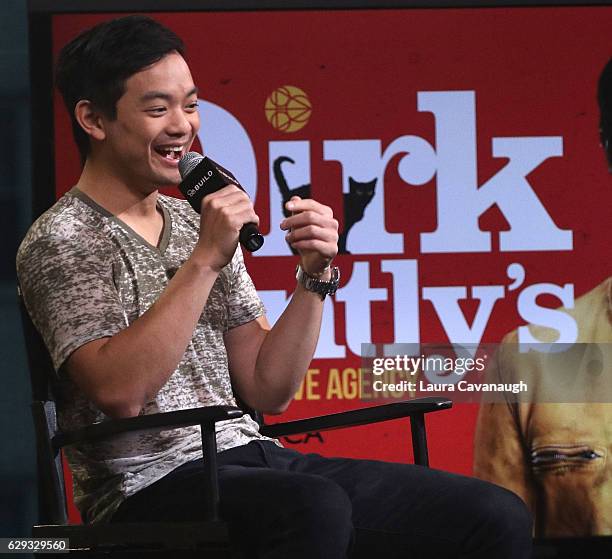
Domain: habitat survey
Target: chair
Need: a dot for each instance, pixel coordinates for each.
(211, 534)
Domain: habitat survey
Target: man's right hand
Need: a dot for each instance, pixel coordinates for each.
(222, 215)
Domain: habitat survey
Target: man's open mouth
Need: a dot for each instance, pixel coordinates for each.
(173, 153)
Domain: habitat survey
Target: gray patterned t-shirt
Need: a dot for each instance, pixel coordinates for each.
(86, 275)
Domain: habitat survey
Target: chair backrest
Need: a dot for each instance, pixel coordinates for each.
(50, 473)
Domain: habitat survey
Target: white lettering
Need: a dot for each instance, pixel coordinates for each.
(358, 296)
(459, 200)
(446, 302)
(557, 319)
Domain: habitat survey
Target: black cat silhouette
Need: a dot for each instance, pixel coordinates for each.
(355, 201)
(360, 194)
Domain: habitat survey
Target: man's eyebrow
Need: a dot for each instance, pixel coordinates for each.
(151, 95)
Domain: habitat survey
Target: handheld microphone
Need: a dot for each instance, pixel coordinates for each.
(202, 176)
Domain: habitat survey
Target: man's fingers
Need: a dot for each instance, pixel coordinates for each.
(312, 232)
(297, 204)
(240, 213)
(231, 204)
(325, 249)
(309, 217)
(227, 196)
(229, 189)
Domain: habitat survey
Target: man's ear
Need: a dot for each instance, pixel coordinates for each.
(90, 119)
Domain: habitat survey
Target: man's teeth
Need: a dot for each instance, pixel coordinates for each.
(171, 152)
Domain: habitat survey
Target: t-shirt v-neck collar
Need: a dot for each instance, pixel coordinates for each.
(167, 227)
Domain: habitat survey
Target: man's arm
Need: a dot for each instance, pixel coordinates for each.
(268, 365)
(120, 374)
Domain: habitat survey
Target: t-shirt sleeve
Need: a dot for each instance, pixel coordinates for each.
(69, 292)
(244, 302)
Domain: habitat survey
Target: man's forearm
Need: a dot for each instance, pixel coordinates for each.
(288, 349)
(268, 365)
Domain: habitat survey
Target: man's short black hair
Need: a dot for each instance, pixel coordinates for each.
(604, 98)
(96, 64)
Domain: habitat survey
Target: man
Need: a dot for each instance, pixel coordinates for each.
(145, 307)
(554, 450)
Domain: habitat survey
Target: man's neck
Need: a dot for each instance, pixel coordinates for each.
(115, 194)
(136, 208)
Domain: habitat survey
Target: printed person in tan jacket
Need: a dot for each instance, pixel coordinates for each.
(555, 451)
(556, 456)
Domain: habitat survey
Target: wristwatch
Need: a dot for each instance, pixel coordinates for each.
(318, 286)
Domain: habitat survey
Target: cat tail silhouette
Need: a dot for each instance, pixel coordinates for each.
(281, 181)
(283, 187)
(286, 192)
(342, 242)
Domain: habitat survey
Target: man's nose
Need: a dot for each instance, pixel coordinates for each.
(179, 124)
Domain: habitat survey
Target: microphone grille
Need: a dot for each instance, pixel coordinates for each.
(188, 162)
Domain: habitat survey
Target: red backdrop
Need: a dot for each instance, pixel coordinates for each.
(515, 74)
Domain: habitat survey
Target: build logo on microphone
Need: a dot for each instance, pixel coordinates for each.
(288, 108)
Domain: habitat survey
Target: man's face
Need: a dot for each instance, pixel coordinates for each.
(156, 123)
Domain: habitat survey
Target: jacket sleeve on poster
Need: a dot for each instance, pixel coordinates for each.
(500, 453)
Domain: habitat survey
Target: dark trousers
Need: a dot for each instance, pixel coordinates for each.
(281, 504)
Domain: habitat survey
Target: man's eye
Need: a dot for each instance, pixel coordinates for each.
(157, 110)
(192, 106)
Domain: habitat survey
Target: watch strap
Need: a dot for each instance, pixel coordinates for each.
(321, 287)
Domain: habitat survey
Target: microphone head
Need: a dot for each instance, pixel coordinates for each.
(188, 163)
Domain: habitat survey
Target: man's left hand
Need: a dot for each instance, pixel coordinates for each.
(312, 232)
